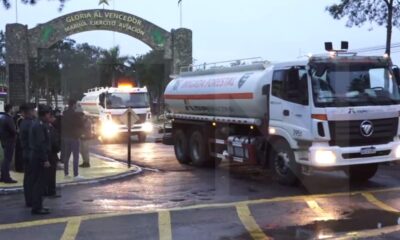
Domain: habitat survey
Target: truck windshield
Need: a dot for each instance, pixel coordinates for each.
(353, 84)
(125, 100)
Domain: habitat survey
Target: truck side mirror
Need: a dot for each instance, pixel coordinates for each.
(396, 73)
(266, 89)
(101, 100)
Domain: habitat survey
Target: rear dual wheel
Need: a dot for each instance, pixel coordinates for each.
(181, 147)
(194, 149)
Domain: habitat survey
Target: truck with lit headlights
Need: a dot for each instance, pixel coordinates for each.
(107, 107)
(337, 111)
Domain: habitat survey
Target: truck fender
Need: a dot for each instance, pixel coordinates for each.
(283, 134)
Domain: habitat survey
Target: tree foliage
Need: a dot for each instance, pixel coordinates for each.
(112, 65)
(358, 12)
(2, 48)
(7, 3)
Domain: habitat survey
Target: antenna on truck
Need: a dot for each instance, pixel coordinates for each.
(224, 65)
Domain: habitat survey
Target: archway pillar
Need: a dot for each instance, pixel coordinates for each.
(17, 61)
(182, 49)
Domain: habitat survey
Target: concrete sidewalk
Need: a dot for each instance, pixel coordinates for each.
(102, 169)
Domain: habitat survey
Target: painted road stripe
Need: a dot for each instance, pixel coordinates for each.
(249, 222)
(372, 199)
(315, 207)
(164, 225)
(214, 205)
(72, 229)
(369, 233)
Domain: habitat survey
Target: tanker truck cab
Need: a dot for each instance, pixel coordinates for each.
(108, 108)
(330, 112)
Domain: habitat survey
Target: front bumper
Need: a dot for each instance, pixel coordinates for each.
(346, 156)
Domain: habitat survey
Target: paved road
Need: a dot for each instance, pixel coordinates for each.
(232, 202)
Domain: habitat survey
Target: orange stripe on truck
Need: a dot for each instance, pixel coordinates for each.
(219, 96)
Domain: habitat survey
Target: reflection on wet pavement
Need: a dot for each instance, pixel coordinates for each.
(361, 219)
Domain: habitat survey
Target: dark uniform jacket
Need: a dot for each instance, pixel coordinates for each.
(72, 124)
(24, 130)
(8, 131)
(39, 142)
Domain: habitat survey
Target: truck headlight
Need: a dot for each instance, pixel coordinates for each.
(147, 127)
(398, 152)
(325, 157)
(109, 129)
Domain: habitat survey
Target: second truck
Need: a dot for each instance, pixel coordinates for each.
(107, 108)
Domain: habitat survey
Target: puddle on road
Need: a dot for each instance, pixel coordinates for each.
(356, 221)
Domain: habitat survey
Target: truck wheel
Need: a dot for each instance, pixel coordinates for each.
(283, 163)
(198, 150)
(142, 137)
(362, 173)
(181, 147)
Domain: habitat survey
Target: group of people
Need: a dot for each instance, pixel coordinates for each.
(37, 135)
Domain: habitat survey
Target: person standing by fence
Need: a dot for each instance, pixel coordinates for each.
(8, 135)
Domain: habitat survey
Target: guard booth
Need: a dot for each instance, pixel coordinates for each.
(3, 88)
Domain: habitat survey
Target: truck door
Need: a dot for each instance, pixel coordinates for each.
(290, 88)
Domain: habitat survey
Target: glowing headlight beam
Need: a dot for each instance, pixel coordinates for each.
(147, 127)
(109, 129)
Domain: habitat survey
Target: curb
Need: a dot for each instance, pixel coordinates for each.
(136, 170)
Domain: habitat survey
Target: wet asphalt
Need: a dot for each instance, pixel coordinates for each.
(164, 184)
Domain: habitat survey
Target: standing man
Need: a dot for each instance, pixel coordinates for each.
(18, 159)
(39, 142)
(72, 128)
(86, 137)
(26, 123)
(53, 159)
(8, 134)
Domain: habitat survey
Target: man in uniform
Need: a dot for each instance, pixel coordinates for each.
(26, 123)
(53, 159)
(40, 145)
(8, 134)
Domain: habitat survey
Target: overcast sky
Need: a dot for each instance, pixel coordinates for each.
(276, 30)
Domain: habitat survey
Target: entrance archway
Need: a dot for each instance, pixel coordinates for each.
(23, 43)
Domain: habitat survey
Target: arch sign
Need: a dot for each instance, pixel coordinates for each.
(23, 44)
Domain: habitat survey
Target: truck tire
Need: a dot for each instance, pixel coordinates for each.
(142, 137)
(283, 163)
(362, 173)
(181, 147)
(198, 150)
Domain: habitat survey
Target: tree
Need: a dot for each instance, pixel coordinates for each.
(153, 72)
(112, 65)
(381, 12)
(2, 49)
(7, 4)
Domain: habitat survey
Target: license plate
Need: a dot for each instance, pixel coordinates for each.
(368, 151)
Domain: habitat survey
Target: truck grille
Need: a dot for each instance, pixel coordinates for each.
(348, 133)
(142, 118)
(122, 120)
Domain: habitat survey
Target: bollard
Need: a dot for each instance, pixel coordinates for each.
(129, 137)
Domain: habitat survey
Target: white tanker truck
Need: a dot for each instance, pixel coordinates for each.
(337, 111)
(107, 107)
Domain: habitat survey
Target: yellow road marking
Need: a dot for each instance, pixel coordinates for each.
(372, 199)
(72, 229)
(215, 205)
(315, 207)
(249, 222)
(164, 225)
(369, 233)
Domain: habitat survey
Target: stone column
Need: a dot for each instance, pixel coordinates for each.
(182, 49)
(17, 61)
